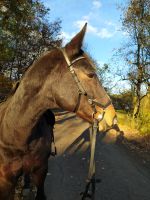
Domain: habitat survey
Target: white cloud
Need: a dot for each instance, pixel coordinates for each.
(90, 29)
(117, 28)
(96, 4)
(124, 33)
(110, 23)
(108, 31)
(87, 17)
(113, 25)
(67, 36)
(100, 63)
(102, 33)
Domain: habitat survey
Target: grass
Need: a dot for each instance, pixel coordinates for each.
(136, 133)
(124, 118)
(141, 124)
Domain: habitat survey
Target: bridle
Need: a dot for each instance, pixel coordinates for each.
(91, 181)
(81, 90)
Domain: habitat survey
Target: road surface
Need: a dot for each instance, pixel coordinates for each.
(122, 177)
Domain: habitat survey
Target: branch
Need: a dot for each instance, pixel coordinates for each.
(143, 97)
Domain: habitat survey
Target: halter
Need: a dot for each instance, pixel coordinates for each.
(81, 90)
(91, 181)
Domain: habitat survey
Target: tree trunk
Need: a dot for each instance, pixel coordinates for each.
(136, 108)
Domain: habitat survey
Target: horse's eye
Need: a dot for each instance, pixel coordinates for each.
(91, 75)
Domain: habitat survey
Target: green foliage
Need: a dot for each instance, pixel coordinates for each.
(5, 83)
(102, 71)
(106, 77)
(25, 34)
(5, 86)
(136, 51)
(143, 120)
(124, 118)
(123, 101)
(136, 21)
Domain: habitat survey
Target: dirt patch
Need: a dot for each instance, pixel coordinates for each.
(138, 145)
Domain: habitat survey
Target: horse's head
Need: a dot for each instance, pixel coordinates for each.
(79, 89)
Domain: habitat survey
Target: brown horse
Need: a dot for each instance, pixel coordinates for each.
(49, 83)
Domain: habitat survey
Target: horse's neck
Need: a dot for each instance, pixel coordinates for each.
(23, 110)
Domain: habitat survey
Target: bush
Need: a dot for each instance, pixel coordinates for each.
(143, 120)
(123, 101)
(5, 86)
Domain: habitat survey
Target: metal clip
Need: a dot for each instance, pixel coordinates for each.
(90, 101)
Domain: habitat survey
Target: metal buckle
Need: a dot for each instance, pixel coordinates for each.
(90, 101)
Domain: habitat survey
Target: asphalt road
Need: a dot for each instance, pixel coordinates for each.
(122, 177)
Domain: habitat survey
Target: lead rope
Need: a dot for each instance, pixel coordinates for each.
(91, 181)
(53, 146)
(93, 130)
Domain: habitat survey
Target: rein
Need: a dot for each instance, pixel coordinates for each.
(91, 181)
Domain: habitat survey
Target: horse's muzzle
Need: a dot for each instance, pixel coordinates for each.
(107, 118)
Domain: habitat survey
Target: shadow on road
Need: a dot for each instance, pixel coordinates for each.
(122, 178)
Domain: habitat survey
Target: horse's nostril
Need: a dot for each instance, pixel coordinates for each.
(115, 121)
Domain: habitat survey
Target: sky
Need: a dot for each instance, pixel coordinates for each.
(104, 33)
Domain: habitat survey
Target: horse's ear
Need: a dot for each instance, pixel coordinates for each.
(74, 46)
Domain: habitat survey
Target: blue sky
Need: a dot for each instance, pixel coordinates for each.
(104, 27)
(103, 17)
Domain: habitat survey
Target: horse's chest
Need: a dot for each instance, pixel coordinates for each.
(11, 169)
(37, 156)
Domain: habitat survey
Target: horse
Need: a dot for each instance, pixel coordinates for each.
(61, 78)
(47, 120)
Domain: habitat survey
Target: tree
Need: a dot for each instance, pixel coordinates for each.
(144, 114)
(123, 101)
(136, 22)
(103, 71)
(25, 34)
(5, 86)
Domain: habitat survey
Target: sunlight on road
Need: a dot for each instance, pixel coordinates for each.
(72, 134)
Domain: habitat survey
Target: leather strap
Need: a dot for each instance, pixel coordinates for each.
(93, 130)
